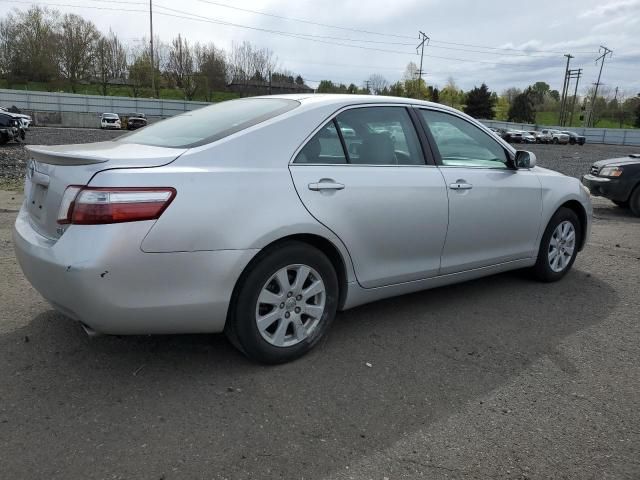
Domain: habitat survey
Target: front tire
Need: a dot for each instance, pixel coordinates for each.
(559, 246)
(555, 141)
(285, 304)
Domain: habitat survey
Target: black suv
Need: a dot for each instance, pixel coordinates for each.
(10, 128)
(617, 179)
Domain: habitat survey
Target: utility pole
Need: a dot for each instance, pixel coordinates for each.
(606, 51)
(565, 86)
(366, 85)
(576, 74)
(153, 66)
(420, 46)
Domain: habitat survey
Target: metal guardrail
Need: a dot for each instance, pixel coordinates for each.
(33, 101)
(609, 136)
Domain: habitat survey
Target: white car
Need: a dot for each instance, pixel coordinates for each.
(110, 121)
(25, 120)
(556, 136)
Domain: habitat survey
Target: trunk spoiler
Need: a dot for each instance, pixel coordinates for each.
(45, 154)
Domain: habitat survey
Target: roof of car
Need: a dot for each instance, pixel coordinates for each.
(350, 99)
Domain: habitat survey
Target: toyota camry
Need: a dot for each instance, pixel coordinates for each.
(263, 217)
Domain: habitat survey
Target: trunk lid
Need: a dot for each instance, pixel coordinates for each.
(52, 169)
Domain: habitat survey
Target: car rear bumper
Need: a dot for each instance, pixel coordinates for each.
(612, 188)
(99, 276)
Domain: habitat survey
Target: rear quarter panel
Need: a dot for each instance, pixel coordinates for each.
(235, 194)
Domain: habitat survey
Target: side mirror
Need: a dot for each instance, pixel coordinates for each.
(524, 159)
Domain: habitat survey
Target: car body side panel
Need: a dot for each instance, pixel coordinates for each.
(393, 219)
(496, 221)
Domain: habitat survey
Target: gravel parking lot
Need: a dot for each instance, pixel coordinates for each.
(501, 377)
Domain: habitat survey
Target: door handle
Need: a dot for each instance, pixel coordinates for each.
(319, 186)
(460, 185)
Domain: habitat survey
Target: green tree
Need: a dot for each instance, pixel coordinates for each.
(326, 86)
(539, 91)
(479, 103)
(396, 90)
(435, 95)
(522, 109)
(637, 122)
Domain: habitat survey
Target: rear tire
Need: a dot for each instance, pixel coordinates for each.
(559, 246)
(277, 316)
(555, 141)
(634, 201)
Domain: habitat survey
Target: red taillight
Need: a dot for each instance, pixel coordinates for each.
(93, 206)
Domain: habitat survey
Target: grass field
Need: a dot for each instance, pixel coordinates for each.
(113, 91)
(551, 118)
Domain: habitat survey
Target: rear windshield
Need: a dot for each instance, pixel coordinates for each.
(209, 124)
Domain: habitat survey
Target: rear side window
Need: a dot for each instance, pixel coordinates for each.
(324, 148)
(209, 124)
(380, 136)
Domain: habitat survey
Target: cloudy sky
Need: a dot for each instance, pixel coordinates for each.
(502, 43)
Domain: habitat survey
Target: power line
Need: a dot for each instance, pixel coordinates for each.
(505, 48)
(309, 22)
(195, 17)
(369, 32)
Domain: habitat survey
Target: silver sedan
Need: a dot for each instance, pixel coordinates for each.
(262, 217)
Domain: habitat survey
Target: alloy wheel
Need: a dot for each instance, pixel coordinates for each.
(561, 246)
(290, 305)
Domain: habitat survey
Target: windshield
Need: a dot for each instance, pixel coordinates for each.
(209, 124)
(109, 115)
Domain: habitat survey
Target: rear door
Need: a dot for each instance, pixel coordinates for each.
(494, 210)
(364, 176)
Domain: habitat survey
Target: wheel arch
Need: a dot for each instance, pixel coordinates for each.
(580, 211)
(321, 243)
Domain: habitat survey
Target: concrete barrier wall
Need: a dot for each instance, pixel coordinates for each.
(72, 110)
(609, 136)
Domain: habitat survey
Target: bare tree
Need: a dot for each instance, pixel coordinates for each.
(211, 65)
(77, 42)
(247, 62)
(110, 61)
(378, 83)
(180, 66)
(35, 44)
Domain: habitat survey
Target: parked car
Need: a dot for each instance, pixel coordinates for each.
(617, 179)
(513, 136)
(25, 120)
(557, 136)
(575, 138)
(133, 123)
(10, 128)
(254, 217)
(542, 137)
(111, 121)
(527, 137)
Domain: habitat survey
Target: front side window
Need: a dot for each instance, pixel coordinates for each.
(208, 124)
(461, 143)
(380, 136)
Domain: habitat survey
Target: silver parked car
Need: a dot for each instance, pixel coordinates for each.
(262, 217)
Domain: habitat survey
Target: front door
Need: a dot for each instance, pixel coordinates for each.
(494, 210)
